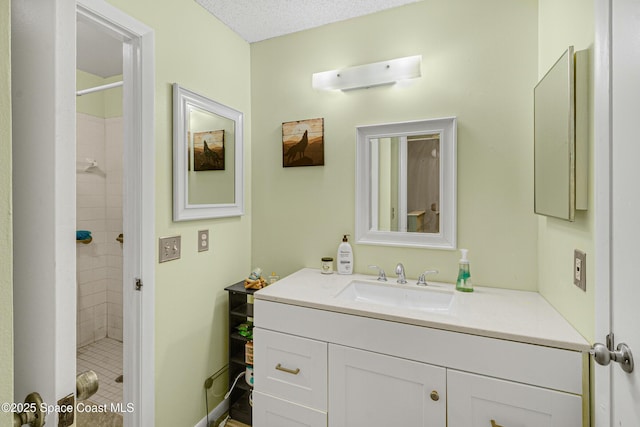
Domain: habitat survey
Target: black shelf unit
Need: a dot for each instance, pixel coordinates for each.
(240, 310)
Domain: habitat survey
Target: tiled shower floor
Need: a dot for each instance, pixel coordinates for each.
(104, 357)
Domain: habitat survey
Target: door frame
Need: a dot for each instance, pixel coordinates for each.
(602, 182)
(138, 204)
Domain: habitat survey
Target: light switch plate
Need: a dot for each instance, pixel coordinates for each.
(169, 248)
(580, 269)
(203, 240)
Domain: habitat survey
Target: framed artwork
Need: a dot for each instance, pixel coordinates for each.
(303, 143)
(208, 151)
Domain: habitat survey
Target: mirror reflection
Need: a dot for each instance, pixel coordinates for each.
(405, 184)
(406, 177)
(210, 159)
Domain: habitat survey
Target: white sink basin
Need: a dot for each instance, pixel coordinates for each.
(401, 296)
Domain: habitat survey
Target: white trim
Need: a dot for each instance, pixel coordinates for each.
(139, 203)
(365, 233)
(602, 166)
(182, 209)
(215, 413)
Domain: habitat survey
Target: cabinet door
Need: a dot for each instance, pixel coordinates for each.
(269, 411)
(369, 389)
(477, 401)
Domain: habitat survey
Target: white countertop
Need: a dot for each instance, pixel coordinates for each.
(498, 313)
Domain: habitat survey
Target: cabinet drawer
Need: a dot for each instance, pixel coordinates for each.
(291, 368)
(478, 401)
(269, 411)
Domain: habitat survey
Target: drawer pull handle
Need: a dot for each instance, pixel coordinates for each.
(296, 371)
(495, 424)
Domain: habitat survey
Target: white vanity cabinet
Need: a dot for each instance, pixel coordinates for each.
(497, 358)
(343, 370)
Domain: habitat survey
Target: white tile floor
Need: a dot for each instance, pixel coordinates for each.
(104, 357)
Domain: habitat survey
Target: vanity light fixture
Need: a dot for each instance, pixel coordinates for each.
(369, 75)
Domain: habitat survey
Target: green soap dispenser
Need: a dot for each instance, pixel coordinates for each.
(463, 283)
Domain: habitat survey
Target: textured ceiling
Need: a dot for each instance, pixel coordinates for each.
(256, 20)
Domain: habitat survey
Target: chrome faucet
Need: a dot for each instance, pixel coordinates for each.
(421, 278)
(400, 273)
(382, 277)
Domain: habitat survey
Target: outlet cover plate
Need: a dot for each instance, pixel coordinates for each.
(580, 269)
(169, 248)
(203, 240)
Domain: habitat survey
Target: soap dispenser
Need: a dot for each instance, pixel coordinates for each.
(345, 257)
(463, 283)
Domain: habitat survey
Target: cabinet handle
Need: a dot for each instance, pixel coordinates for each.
(495, 424)
(435, 396)
(296, 371)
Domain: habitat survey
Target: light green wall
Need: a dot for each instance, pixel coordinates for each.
(479, 64)
(569, 22)
(6, 229)
(106, 103)
(195, 50)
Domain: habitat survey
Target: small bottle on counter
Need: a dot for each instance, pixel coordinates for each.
(464, 274)
(326, 267)
(345, 257)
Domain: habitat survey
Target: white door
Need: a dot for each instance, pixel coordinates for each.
(625, 207)
(369, 389)
(617, 114)
(43, 94)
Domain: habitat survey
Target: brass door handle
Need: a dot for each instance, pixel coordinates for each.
(31, 412)
(296, 371)
(495, 424)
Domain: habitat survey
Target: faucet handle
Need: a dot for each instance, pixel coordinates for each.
(382, 277)
(421, 278)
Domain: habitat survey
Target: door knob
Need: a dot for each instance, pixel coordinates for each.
(32, 413)
(622, 354)
(86, 384)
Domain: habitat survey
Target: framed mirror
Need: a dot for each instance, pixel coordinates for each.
(207, 158)
(406, 184)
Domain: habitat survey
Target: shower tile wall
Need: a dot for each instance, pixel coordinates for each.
(99, 206)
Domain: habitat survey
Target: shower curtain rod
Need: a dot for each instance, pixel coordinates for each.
(98, 88)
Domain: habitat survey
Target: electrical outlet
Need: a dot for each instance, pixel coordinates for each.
(580, 269)
(203, 240)
(169, 248)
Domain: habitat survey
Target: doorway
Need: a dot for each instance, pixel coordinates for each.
(99, 217)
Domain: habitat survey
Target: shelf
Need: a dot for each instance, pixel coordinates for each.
(239, 288)
(240, 311)
(237, 336)
(241, 410)
(244, 310)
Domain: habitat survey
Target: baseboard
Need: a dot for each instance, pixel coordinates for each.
(215, 413)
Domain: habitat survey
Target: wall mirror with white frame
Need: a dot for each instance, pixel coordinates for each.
(207, 158)
(406, 184)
